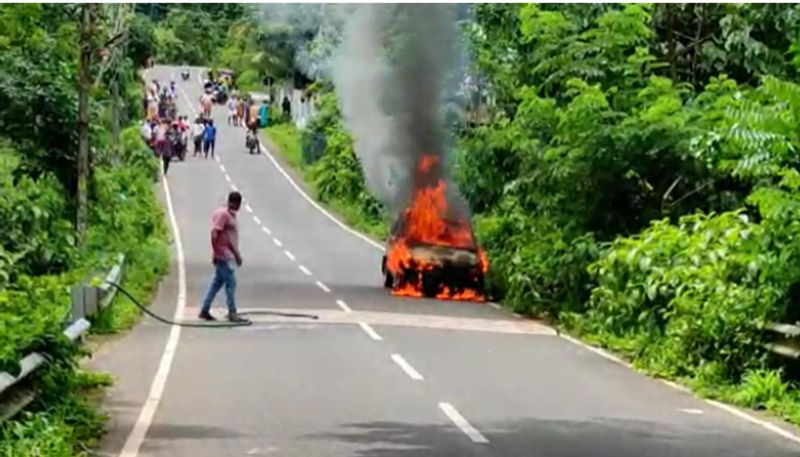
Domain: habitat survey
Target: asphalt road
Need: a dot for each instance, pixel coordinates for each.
(375, 375)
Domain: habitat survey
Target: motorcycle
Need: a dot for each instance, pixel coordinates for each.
(251, 143)
(185, 75)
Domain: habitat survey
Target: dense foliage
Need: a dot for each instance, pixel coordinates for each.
(39, 256)
(639, 182)
(187, 33)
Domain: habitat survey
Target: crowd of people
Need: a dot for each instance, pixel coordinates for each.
(169, 134)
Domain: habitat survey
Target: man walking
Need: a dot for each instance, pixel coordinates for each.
(209, 138)
(225, 257)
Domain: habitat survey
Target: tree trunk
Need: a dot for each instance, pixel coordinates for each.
(115, 118)
(84, 87)
(673, 59)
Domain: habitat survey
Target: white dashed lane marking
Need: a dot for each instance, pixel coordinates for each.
(370, 331)
(277, 242)
(266, 230)
(691, 411)
(322, 286)
(344, 306)
(248, 208)
(289, 255)
(258, 221)
(227, 177)
(305, 270)
(405, 366)
(462, 423)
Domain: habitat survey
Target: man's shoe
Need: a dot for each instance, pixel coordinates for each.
(237, 319)
(207, 317)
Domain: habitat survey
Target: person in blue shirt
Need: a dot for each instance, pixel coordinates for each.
(209, 138)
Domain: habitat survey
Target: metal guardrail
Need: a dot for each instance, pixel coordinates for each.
(788, 342)
(87, 300)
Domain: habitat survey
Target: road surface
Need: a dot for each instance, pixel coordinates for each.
(376, 375)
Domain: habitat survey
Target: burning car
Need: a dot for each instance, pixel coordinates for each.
(432, 250)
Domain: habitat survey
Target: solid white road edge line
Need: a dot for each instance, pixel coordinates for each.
(305, 270)
(344, 306)
(473, 434)
(289, 255)
(410, 371)
(769, 426)
(316, 205)
(134, 441)
(277, 242)
(370, 331)
(322, 286)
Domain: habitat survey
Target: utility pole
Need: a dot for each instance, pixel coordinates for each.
(84, 87)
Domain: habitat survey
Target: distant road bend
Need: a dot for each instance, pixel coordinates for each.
(375, 376)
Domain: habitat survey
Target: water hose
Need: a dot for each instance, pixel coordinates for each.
(166, 321)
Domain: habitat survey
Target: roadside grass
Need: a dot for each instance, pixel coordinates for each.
(287, 139)
(63, 422)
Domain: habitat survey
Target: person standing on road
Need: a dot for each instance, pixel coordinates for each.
(198, 133)
(210, 137)
(225, 258)
(232, 110)
(169, 145)
(206, 101)
(253, 116)
(239, 111)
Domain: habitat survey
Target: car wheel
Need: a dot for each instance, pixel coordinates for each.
(388, 279)
(430, 285)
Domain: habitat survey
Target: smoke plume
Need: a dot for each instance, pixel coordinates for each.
(392, 72)
(394, 66)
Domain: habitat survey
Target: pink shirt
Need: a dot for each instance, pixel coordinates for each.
(224, 221)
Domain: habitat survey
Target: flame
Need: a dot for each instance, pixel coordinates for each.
(484, 260)
(427, 221)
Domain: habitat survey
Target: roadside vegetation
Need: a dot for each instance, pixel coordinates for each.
(41, 252)
(634, 181)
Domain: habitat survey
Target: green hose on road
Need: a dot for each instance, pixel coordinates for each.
(166, 321)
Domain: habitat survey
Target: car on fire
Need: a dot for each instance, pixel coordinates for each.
(414, 268)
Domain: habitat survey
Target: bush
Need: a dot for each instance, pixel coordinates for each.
(249, 80)
(700, 291)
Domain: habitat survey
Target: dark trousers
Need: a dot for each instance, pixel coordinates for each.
(198, 146)
(209, 146)
(166, 158)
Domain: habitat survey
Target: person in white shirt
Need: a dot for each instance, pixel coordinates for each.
(198, 129)
(146, 132)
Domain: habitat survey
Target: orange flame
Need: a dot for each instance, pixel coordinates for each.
(427, 221)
